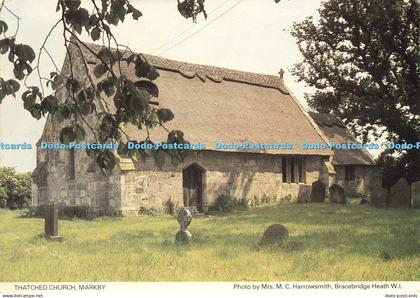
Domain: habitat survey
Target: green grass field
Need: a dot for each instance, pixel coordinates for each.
(327, 242)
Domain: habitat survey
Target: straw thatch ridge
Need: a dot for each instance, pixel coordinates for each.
(336, 131)
(203, 72)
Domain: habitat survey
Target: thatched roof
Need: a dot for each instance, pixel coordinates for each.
(336, 131)
(218, 104)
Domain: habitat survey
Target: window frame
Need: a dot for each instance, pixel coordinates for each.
(349, 173)
(293, 169)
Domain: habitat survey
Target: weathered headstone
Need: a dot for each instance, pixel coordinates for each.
(318, 192)
(51, 222)
(364, 202)
(378, 195)
(304, 195)
(415, 195)
(337, 194)
(184, 219)
(400, 194)
(274, 234)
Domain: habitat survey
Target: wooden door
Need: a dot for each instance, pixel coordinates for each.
(193, 188)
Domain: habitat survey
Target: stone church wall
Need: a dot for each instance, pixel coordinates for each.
(361, 183)
(90, 188)
(239, 175)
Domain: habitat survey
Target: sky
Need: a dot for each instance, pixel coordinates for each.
(247, 35)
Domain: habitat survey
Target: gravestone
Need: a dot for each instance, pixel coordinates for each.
(51, 222)
(415, 195)
(337, 194)
(400, 194)
(274, 234)
(364, 202)
(304, 195)
(378, 195)
(318, 192)
(184, 219)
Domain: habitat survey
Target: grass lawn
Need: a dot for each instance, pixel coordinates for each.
(327, 242)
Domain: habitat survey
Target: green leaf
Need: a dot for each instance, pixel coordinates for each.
(82, 16)
(25, 53)
(142, 68)
(118, 9)
(165, 115)
(159, 157)
(107, 86)
(100, 70)
(95, 33)
(77, 28)
(117, 55)
(80, 132)
(4, 47)
(36, 112)
(66, 110)
(93, 20)
(58, 116)
(112, 18)
(136, 14)
(57, 81)
(18, 74)
(109, 91)
(28, 52)
(85, 108)
(15, 85)
(176, 136)
(2, 95)
(72, 4)
(26, 94)
(106, 55)
(73, 85)
(50, 103)
(29, 102)
(110, 161)
(11, 56)
(28, 68)
(8, 88)
(106, 160)
(152, 74)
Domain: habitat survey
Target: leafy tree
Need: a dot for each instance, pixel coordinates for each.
(392, 168)
(15, 189)
(363, 57)
(3, 198)
(133, 99)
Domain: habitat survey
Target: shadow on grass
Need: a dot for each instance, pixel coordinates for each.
(133, 234)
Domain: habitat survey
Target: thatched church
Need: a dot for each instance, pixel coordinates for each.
(210, 104)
